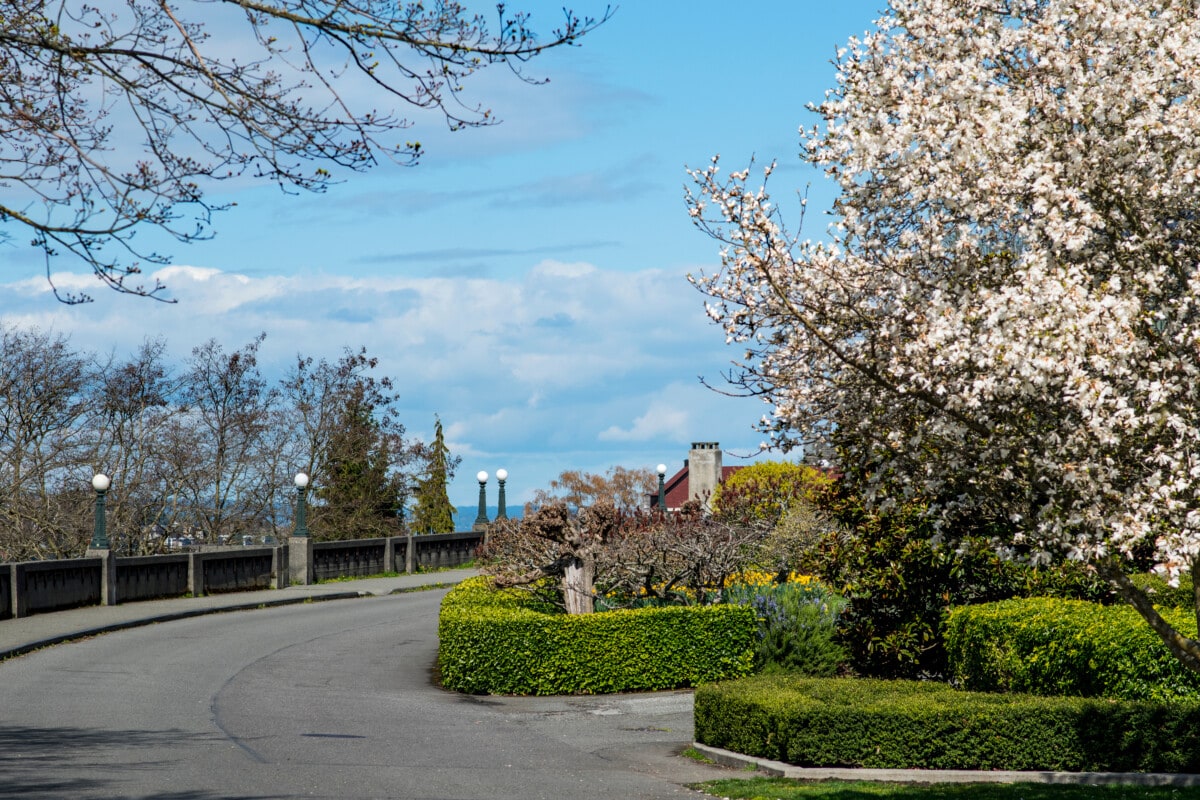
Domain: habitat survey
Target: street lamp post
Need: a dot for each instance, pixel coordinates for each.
(481, 519)
(301, 528)
(501, 477)
(662, 489)
(100, 483)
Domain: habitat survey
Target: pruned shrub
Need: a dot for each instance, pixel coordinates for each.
(492, 641)
(797, 622)
(832, 722)
(1049, 646)
(898, 584)
(597, 554)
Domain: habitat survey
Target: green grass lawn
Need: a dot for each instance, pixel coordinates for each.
(787, 789)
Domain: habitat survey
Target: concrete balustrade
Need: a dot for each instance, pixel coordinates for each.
(55, 585)
(357, 557)
(153, 577)
(36, 587)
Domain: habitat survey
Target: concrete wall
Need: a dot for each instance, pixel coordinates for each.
(351, 558)
(152, 577)
(34, 587)
(236, 570)
(39, 586)
(435, 551)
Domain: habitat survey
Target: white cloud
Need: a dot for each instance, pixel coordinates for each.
(660, 421)
(566, 366)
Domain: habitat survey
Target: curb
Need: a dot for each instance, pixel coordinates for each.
(778, 769)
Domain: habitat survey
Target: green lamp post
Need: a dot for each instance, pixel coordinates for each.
(501, 477)
(481, 518)
(662, 489)
(100, 483)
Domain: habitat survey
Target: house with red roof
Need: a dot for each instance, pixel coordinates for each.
(702, 471)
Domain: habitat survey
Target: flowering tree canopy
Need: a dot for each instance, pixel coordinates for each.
(1006, 318)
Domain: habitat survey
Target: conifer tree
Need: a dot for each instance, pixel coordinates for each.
(360, 494)
(433, 512)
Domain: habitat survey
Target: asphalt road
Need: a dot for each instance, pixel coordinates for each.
(327, 700)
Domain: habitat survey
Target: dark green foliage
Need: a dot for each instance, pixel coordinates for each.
(360, 495)
(1065, 647)
(433, 512)
(493, 642)
(835, 722)
(898, 585)
(796, 626)
(348, 422)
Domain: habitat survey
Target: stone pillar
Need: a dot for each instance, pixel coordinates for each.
(389, 554)
(19, 599)
(108, 575)
(300, 560)
(410, 556)
(704, 471)
(196, 574)
(279, 567)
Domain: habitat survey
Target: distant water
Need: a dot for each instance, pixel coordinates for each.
(464, 516)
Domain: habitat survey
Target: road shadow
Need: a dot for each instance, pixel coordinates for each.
(58, 762)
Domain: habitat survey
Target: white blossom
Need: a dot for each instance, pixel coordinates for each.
(1007, 318)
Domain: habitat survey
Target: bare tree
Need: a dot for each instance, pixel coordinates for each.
(680, 557)
(42, 398)
(624, 488)
(137, 401)
(219, 453)
(551, 542)
(349, 439)
(683, 557)
(117, 117)
(209, 452)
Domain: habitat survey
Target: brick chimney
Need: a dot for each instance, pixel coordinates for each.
(704, 471)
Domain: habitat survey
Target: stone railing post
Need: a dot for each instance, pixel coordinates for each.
(300, 560)
(99, 547)
(195, 574)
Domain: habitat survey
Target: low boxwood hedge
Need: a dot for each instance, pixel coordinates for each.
(1066, 647)
(494, 642)
(846, 722)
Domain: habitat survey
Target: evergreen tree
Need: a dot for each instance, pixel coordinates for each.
(433, 512)
(359, 496)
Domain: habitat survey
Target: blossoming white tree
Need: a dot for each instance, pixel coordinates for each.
(1006, 319)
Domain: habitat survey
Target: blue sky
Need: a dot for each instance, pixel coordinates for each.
(526, 281)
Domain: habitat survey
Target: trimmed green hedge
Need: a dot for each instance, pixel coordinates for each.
(846, 722)
(1066, 647)
(1163, 593)
(493, 642)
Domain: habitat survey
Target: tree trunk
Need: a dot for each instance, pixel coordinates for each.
(578, 585)
(1185, 649)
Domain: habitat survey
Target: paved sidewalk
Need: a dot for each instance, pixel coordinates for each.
(23, 635)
